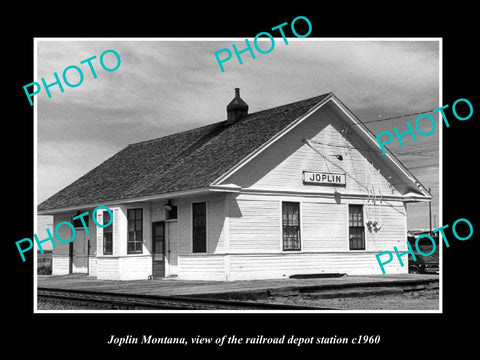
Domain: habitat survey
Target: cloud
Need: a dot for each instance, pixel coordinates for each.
(62, 162)
(163, 87)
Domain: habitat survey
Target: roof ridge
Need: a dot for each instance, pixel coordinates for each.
(230, 121)
(293, 102)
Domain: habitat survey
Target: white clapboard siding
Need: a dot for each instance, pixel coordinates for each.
(280, 166)
(215, 221)
(255, 225)
(184, 226)
(135, 267)
(92, 266)
(277, 266)
(201, 267)
(324, 226)
(119, 235)
(171, 236)
(60, 265)
(147, 229)
(100, 233)
(108, 268)
(124, 268)
(392, 217)
(249, 267)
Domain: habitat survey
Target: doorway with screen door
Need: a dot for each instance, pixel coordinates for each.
(158, 250)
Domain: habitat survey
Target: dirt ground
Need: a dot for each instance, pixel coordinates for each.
(411, 300)
(408, 300)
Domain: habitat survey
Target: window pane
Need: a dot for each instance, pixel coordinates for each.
(294, 221)
(291, 225)
(158, 246)
(356, 227)
(135, 231)
(106, 217)
(355, 216)
(106, 220)
(107, 243)
(199, 227)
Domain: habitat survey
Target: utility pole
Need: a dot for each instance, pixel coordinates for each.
(430, 212)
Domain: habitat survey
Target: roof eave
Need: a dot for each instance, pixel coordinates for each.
(416, 197)
(399, 165)
(163, 196)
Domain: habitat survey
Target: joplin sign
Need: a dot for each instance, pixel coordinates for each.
(323, 178)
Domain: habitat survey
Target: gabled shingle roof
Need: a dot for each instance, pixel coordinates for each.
(187, 160)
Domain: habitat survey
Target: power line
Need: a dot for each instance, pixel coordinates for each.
(416, 151)
(398, 116)
(423, 166)
(421, 145)
(370, 150)
(417, 154)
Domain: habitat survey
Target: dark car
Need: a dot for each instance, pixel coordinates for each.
(423, 264)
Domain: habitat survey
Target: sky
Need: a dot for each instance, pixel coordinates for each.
(170, 85)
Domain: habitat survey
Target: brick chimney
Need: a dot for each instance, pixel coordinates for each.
(237, 107)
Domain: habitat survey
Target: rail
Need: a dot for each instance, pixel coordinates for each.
(134, 301)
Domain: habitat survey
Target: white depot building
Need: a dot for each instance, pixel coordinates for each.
(301, 188)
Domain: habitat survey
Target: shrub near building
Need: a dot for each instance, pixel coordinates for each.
(44, 262)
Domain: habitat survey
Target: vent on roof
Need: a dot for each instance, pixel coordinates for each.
(237, 107)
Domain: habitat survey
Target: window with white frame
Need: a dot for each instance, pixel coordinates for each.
(135, 231)
(107, 234)
(291, 226)
(356, 227)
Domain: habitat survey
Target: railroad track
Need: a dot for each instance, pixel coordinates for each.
(136, 302)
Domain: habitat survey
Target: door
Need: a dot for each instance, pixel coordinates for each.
(158, 249)
(70, 258)
(80, 256)
(172, 238)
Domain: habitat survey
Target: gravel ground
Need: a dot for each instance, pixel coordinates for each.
(44, 304)
(408, 300)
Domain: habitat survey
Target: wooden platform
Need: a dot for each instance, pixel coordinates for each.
(235, 289)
